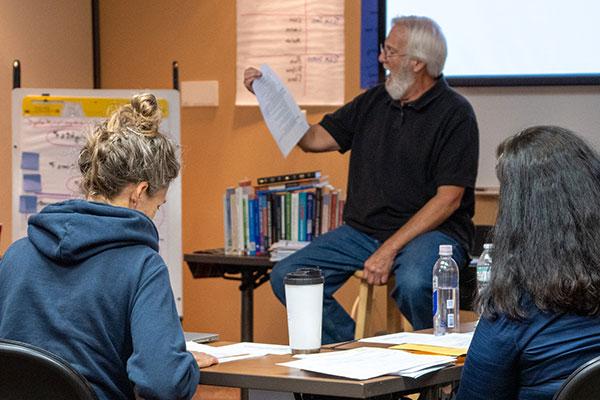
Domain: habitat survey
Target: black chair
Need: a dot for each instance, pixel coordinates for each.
(583, 383)
(28, 372)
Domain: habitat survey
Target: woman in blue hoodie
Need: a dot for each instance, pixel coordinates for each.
(88, 284)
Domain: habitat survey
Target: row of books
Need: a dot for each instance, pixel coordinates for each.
(257, 217)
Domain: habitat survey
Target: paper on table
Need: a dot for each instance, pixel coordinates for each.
(367, 362)
(238, 351)
(462, 340)
(281, 113)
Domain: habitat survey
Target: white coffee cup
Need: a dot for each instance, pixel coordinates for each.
(304, 302)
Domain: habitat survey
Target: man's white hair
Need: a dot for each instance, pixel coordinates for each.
(426, 42)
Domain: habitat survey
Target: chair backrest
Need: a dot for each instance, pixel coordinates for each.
(583, 383)
(28, 372)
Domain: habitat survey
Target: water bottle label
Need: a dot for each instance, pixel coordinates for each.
(450, 320)
(434, 297)
(450, 304)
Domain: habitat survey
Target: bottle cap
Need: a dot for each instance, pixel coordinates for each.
(445, 250)
(304, 276)
(488, 246)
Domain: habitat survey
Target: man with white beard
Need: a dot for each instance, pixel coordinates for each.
(413, 165)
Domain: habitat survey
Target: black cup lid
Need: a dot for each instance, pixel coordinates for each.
(304, 276)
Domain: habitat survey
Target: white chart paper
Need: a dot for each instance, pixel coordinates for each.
(302, 40)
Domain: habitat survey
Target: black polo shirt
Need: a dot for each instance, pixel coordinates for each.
(401, 154)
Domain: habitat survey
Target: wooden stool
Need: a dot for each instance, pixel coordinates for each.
(395, 321)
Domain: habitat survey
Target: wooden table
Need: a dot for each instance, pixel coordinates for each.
(252, 271)
(262, 373)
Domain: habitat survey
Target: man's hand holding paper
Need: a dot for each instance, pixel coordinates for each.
(281, 113)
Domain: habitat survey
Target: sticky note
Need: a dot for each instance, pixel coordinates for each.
(30, 160)
(32, 183)
(27, 204)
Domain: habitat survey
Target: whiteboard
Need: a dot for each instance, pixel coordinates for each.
(49, 128)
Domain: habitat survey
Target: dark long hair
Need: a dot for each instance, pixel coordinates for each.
(547, 235)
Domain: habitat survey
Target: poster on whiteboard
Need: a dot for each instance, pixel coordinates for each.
(302, 41)
(49, 129)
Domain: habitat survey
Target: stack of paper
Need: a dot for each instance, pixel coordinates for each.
(370, 362)
(452, 344)
(238, 351)
(284, 248)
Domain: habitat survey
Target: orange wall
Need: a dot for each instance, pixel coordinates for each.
(53, 41)
(221, 145)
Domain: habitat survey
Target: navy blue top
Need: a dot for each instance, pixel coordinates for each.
(530, 359)
(89, 285)
(401, 154)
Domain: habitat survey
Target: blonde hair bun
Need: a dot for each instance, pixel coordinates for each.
(142, 115)
(146, 112)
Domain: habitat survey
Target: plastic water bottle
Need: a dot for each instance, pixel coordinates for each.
(484, 266)
(445, 293)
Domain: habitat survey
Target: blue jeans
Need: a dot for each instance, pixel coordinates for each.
(343, 251)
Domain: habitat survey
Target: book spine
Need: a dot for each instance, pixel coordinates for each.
(326, 200)
(310, 205)
(318, 212)
(275, 218)
(295, 216)
(302, 216)
(263, 209)
(239, 221)
(251, 227)
(341, 205)
(282, 227)
(227, 224)
(288, 177)
(257, 227)
(333, 210)
(288, 215)
(245, 224)
(269, 224)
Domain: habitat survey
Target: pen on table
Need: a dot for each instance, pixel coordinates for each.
(336, 345)
(233, 355)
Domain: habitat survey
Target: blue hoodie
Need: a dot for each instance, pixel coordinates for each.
(89, 285)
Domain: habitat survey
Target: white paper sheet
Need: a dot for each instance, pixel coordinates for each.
(449, 340)
(367, 362)
(238, 351)
(281, 113)
(302, 40)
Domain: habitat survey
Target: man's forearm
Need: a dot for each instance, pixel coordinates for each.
(438, 209)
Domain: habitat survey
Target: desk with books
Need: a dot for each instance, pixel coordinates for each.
(251, 271)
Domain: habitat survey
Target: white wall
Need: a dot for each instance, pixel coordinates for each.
(504, 111)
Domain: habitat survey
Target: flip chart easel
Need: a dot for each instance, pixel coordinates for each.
(49, 129)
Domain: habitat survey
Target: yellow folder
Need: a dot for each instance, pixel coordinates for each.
(429, 349)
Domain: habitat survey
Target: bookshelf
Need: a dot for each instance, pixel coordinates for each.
(296, 207)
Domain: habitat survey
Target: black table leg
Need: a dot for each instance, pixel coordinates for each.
(247, 291)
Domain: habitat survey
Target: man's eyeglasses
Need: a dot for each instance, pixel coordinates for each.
(389, 52)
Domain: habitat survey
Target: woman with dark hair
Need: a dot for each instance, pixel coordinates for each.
(540, 312)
